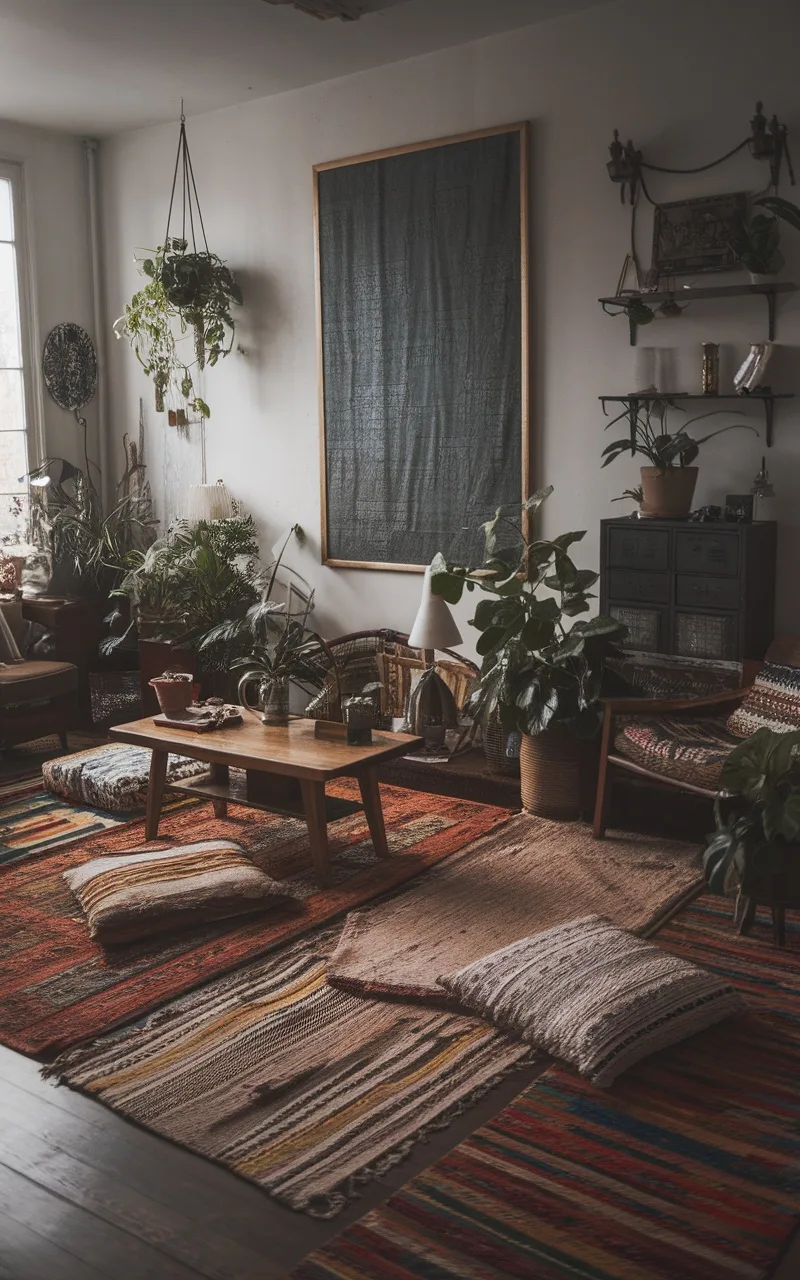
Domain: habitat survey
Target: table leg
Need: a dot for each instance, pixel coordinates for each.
(222, 774)
(155, 792)
(371, 796)
(313, 794)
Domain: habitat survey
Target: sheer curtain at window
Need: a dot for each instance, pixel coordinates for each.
(13, 437)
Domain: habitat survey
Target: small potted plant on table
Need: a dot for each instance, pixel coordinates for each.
(542, 672)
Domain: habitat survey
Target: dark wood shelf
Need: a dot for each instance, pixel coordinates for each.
(703, 293)
(767, 398)
(236, 791)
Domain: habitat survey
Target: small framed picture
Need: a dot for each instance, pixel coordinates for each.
(739, 508)
(693, 236)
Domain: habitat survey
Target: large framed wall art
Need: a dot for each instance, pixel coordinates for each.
(422, 278)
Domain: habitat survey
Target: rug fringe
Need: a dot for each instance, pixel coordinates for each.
(325, 1207)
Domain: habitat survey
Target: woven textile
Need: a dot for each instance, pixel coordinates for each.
(689, 749)
(593, 995)
(133, 895)
(305, 1090)
(659, 675)
(527, 876)
(772, 703)
(58, 986)
(33, 821)
(688, 1168)
(113, 777)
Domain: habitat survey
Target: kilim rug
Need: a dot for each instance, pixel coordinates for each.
(528, 875)
(58, 987)
(688, 1168)
(305, 1090)
(34, 821)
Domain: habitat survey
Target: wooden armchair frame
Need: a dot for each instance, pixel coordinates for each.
(725, 701)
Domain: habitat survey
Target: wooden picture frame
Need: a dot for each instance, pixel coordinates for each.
(332, 181)
(691, 237)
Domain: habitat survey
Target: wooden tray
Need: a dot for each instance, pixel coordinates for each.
(195, 721)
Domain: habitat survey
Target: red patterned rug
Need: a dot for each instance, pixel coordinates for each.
(688, 1168)
(58, 987)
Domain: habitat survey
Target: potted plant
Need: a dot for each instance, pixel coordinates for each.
(541, 672)
(668, 483)
(754, 851)
(185, 292)
(293, 657)
(756, 244)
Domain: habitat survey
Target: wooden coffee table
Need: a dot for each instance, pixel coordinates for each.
(286, 770)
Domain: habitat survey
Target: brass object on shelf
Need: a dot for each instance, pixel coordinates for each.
(710, 380)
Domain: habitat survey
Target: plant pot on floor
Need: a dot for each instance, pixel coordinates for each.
(668, 492)
(558, 774)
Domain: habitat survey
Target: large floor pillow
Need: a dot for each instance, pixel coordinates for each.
(112, 777)
(689, 749)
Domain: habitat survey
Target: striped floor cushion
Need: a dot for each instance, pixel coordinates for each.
(593, 995)
(112, 777)
(132, 895)
(691, 749)
(772, 703)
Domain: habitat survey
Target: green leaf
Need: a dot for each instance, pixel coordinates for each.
(490, 640)
(445, 582)
(537, 632)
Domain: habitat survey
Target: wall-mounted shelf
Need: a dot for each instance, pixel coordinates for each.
(767, 398)
(683, 296)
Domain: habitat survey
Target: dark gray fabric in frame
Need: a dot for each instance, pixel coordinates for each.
(420, 262)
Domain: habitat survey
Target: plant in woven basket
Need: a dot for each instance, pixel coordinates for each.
(758, 817)
(539, 668)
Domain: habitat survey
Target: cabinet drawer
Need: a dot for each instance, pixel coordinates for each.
(638, 548)
(703, 552)
(706, 635)
(648, 629)
(701, 592)
(636, 584)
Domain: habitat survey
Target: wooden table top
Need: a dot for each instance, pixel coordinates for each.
(292, 751)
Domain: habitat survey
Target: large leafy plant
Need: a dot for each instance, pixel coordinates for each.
(653, 440)
(760, 817)
(539, 667)
(185, 293)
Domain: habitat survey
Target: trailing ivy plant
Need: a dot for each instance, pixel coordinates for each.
(537, 669)
(185, 292)
(759, 818)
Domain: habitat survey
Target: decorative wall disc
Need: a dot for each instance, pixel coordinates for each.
(69, 366)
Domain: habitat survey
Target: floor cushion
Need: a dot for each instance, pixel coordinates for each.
(131, 895)
(112, 777)
(690, 748)
(593, 995)
(772, 703)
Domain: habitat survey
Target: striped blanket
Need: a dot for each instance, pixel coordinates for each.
(303, 1089)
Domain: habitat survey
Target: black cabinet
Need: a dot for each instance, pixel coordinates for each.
(696, 590)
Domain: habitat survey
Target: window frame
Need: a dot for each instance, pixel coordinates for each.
(13, 171)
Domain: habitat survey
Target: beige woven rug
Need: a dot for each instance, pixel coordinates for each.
(527, 876)
(307, 1091)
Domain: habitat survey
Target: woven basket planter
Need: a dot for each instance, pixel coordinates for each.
(558, 774)
(495, 738)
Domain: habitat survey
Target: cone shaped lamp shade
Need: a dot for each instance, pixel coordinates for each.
(434, 626)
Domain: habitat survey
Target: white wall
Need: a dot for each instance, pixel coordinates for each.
(57, 217)
(681, 78)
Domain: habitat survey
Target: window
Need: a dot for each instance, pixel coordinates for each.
(14, 400)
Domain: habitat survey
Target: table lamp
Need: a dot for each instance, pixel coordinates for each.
(432, 709)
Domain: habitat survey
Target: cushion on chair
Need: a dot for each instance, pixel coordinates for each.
(593, 995)
(133, 894)
(772, 703)
(36, 681)
(112, 777)
(689, 749)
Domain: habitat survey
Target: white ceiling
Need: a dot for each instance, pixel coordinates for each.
(103, 66)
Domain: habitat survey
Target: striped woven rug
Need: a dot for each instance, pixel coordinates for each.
(303, 1089)
(688, 1168)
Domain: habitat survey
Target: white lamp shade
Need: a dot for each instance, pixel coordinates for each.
(209, 502)
(434, 626)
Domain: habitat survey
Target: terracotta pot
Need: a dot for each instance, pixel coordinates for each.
(174, 692)
(668, 493)
(558, 774)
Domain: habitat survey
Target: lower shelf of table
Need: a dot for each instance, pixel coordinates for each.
(236, 792)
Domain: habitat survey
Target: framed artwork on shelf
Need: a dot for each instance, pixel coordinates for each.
(422, 313)
(694, 236)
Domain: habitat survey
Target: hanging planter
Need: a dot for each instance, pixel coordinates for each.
(188, 297)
